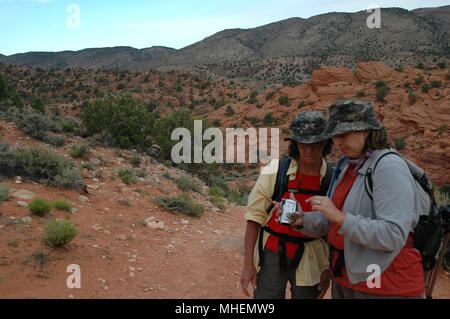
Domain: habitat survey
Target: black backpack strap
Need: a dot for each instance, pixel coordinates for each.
(369, 180)
(282, 239)
(260, 247)
(283, 166)
(280, 185)
(336, 173)
(304, 191)
(326, 180)
(340, 263)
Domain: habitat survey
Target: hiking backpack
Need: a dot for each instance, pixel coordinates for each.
(428, 234)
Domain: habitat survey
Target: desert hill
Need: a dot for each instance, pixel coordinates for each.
(286, 51)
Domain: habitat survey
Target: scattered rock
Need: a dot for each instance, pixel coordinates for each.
(150, 220)
(121, 237)
(23, 194)
(84, 199)
(184, 222)
(93, 186)
(160, 225)
(73, 210)
(97, 227)
(219, 232)
(95, 161)
(22, 204)
(27, 219)
(156, 225)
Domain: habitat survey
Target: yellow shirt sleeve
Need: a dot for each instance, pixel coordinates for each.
(260, 197)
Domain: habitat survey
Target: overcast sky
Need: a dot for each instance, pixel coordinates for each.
(58, 25)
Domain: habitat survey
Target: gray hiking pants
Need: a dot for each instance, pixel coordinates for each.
(271, 281)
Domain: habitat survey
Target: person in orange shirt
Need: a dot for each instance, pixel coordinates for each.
(371, 246)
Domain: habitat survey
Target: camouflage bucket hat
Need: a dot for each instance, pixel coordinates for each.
(351, 116)
(309, 127)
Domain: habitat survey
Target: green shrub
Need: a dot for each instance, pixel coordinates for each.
(216, 191)
(381, 92)
(283, 100)
(412, 98)
(39, 165)
(136, 160)
(301, 104)
(4, 193)
(360, 94)
(219, 202)
(239, 195)
(268, 120)
(17, 101)
(67, 126)
(88, 166)
(425, 88)
(62, 204)
(253, 99)
(78, 150)
(127, 177)
(186, 183)
(217, 199)
(38, 106)
(40, 206)
(419, 80)
(237, 198)
(54, 140)
(4, 90)
(229, 111)
(445, 189)
(124, 118)
(181, 204)
(436, 84)
(59, 232)
(400, 143)
(36, 125)
(141, 174)
(380, 84)
(270, 95)
(216, 181)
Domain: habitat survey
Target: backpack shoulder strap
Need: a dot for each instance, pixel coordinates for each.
(371, 169)
(281, 181)
(326, 180)
(336, 173)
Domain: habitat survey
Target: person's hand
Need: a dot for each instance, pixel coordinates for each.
(296, 217)
(327, 208)
(324, 283)
(248, 275)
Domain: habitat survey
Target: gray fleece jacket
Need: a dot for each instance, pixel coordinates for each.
(374, 231)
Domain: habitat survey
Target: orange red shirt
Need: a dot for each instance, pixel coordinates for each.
(404, 277)
(303, 181)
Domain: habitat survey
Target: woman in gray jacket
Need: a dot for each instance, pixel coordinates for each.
(371, 248)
